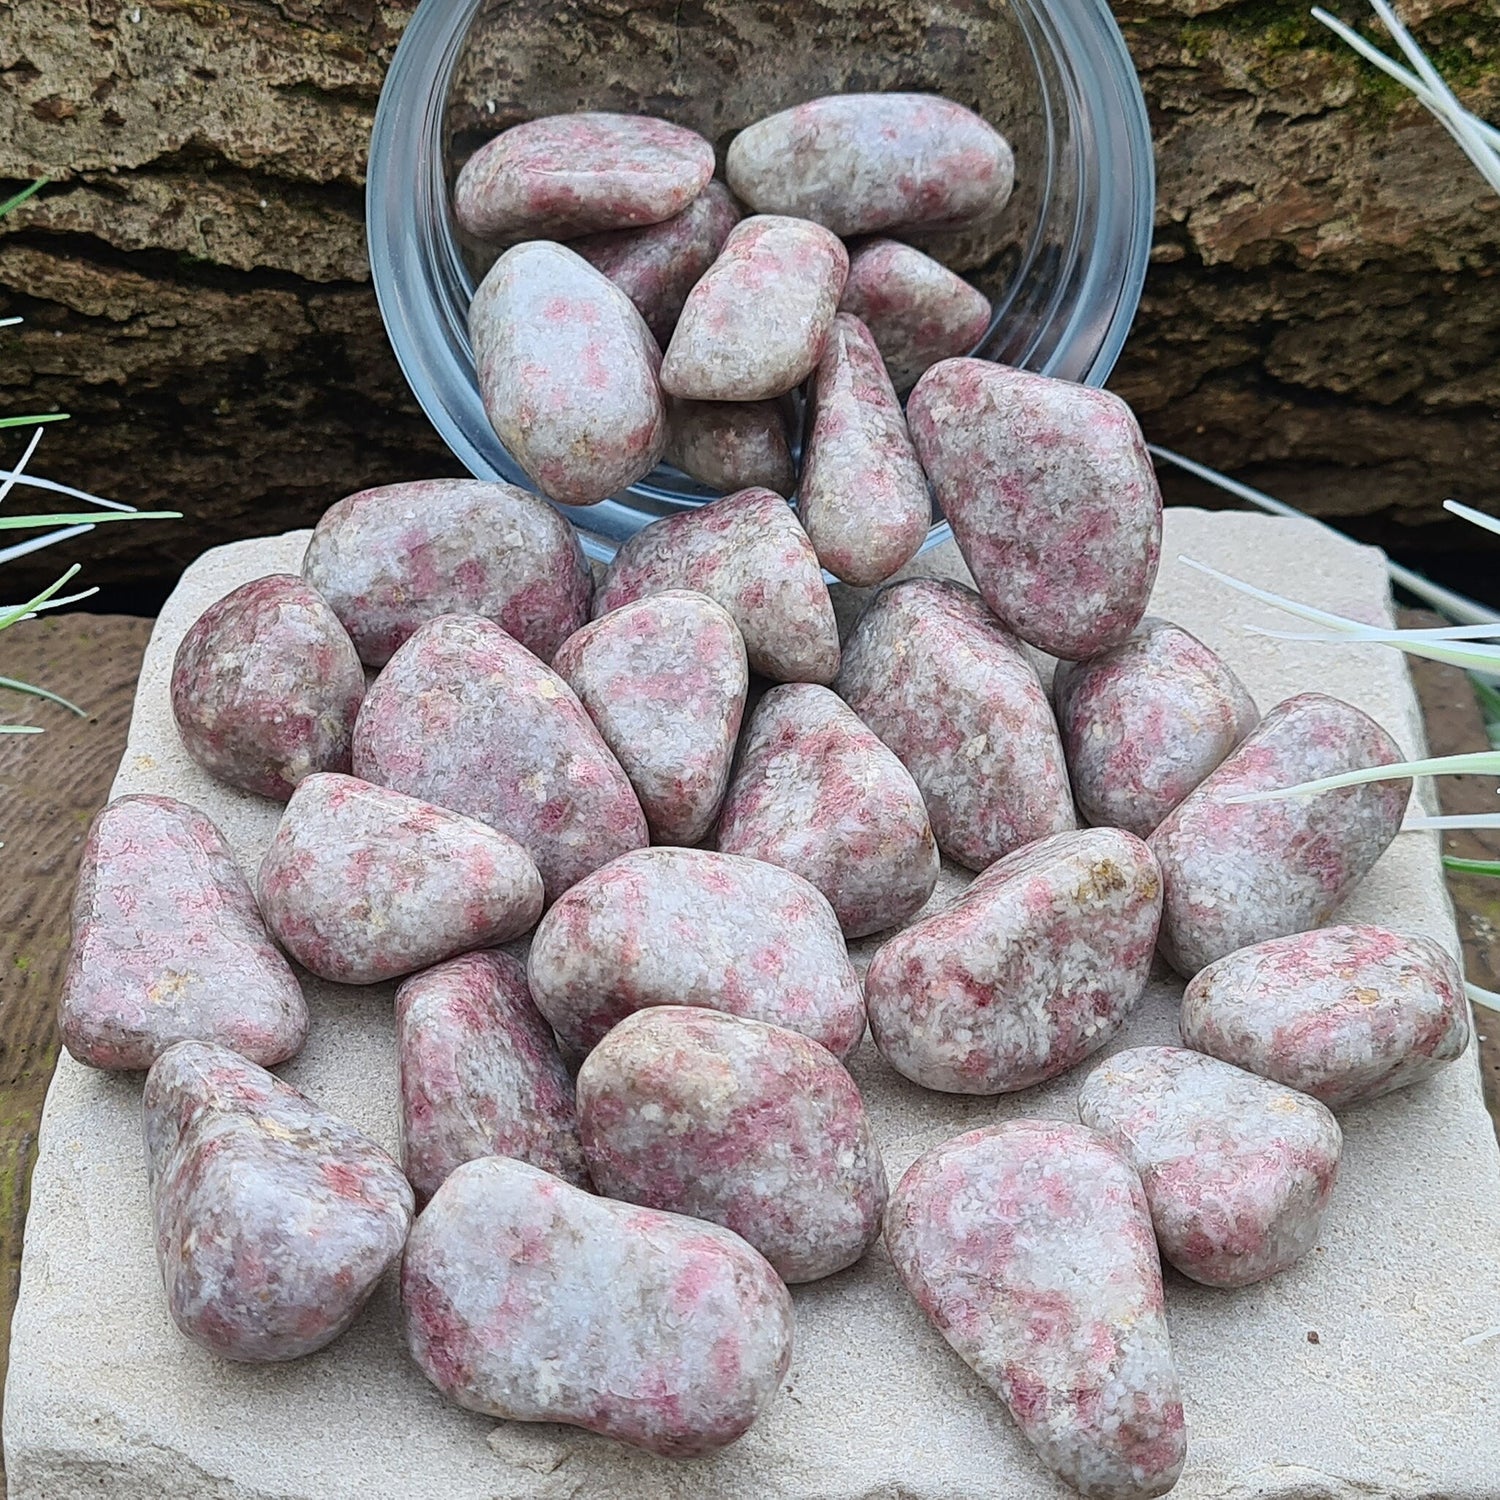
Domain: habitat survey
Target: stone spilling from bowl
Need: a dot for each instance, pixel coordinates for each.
(613, 1253)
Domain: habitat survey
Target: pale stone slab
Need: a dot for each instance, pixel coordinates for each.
(1399, 1396)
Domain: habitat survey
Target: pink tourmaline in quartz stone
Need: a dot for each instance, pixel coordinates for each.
(732, 445)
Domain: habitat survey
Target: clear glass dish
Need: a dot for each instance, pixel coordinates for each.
(1063, 265)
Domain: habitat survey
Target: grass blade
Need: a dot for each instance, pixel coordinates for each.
(1420, 822)
(1476, 762)
(1488, 999)
(1474, 517)
(19, 729)
(1471, 866)
(22, 523)
(36, 543)
(20, 611)
(31, 421)
(9, 482)
(41, 692)
(23, 195)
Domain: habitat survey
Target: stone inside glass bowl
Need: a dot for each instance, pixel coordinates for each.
(1063, 263)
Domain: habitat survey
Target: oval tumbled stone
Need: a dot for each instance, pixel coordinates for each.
(528, 1299)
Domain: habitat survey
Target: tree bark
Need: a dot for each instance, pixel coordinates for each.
(1322, 316)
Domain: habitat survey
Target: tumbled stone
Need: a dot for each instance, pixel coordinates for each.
(664, 680)
(1051, 496)
(746, 1125)
(361, 883)
(388, 559)
(916, 309)
(863, 496)
(265, 687)
(567, 370)
(1029, 1246)
(754, 325)
(691, 927)
(571, 174)
(1345, 1014)
(1033, 968)
(168, 945)
(465, 717)
(480, 1074)
(1144, 722)
(731, 445)
(815, 792)
(658, 266)
(746, 552)
(937, 677)
(863, 162)
(531, 1300)
(1237, 1170)
(274, 1219)
(1239, 873)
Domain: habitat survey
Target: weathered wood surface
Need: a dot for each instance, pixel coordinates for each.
(1322, 316)
(51, 785)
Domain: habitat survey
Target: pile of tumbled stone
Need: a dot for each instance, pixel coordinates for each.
(631, 1141)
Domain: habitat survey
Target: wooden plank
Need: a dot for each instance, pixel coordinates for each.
(51, 785)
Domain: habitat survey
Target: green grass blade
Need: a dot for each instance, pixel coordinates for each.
(86, 518)
(19, 729)
(23, 195)
(49, 416)
(1489, 699)
(20, 611)
(1471, 866)
(1475, 763)
(40, 692)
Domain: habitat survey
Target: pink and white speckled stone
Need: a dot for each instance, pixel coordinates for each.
(567, 370)
(563, 175)
(274, 1220)
(664, 680)
(691, 927)
(1236, 874)
(732, 445)
(754, 326)
(1032, 969)
(1237, 1170)
(480, 1074)
(1029, 1246)
(916, 309)
(465, 717)
(937, 677)
(658, 266)
(266, 685)
(531, 1300)
(863, 496)
(862, 162)
(1144, 722)
(1345, 1014)
(746, 1125)
(817, 793)
(168, 945)
(1051, 496)
(361, 883)
(746, 552)
(388, 559)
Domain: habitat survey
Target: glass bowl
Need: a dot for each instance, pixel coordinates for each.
(1063, 265)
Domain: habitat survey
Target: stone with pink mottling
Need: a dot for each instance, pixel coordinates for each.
(937, 677)
(1239, 873)
(266, 685)
(754, 325)
(564, 175)
(390, 558)
(863, 496)
(528, 1299)
(916, 309)
(168, 945)
(480, 1074)
(1032, 969)
(467, 718)
(746, 552)
(815, 792)
(1051, 496)
(746, 1125)
(567, 370)
(862, 162)
(1144, 722)
(732, 445)
(1029, 1246)
(1344, 1014)
(692, 927)
(361, 883)
(1237, 1170)
(664, 680)
(274, 1220)
(658, 266)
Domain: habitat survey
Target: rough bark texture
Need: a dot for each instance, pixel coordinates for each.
(1322, 315)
